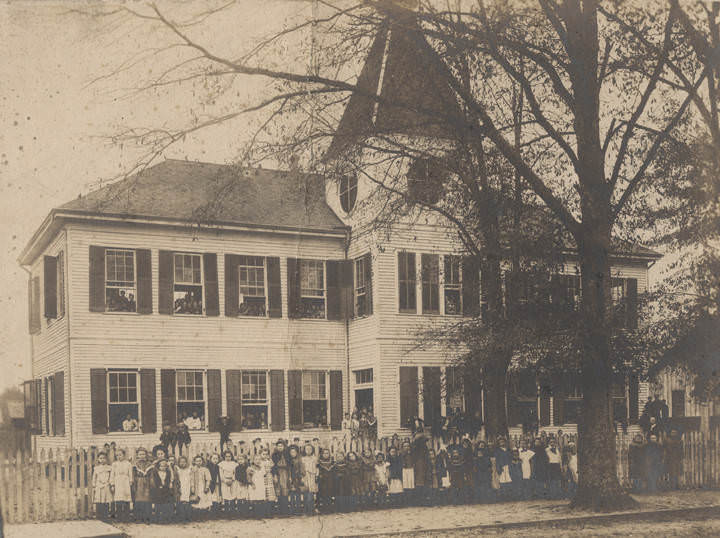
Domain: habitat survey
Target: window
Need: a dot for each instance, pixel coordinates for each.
(573, 399)
(361, 288)
(120, 285)
(312, 289)
(677, 402)
(348, 192)
(314, 395)
(363, 376)
(426, 179)
(406, 281)
(524, 389)
(567, 294)
(61, 284)
(190, 398)
(48, 407)
(251, 278)
(187, 293)
(123, 401)
(430, 283)
(254, 400)
(453, 290)
(618, 400)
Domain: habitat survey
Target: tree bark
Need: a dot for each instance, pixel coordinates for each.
(496, 423)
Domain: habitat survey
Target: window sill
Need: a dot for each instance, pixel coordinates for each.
(127, 433)
(111, 313)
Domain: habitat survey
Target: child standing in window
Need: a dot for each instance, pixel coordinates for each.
(142, 478)
(121, 478)
(310, 468)
(228, 487)
(102, 496)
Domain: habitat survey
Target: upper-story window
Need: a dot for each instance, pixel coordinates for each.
(61, 284)
(187, 291)
(124, 401)
(430, 283)
(120, 282)
(452, 285)
(312, 289)
(251, 279)
(407, 282)
(348, 192)
(361, 288)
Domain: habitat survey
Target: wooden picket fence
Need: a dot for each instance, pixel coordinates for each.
(56, 485)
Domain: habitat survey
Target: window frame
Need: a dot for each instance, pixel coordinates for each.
(241, 265)
(403, 280)
(360, 378)
(257, 402)
(116, 250)
(454, 286)
(60, 285)
(203, 400)
(345, 192)
(301, 296)
(138, 399)
(359, 267)
(326, 399)
(201, 285)
(432, 285)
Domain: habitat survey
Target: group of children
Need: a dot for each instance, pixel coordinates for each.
(304, 478)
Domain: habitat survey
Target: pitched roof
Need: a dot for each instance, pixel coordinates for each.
(215, 193)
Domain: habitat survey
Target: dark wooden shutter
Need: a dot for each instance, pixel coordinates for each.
(545, 405)
(214, 399)
(274, 287)
(50, 286)
(336, 399)
(367, 261)
(168, 397)
(98, 400)
(148, 419)
(59, 403)
(335, 290)
(293, 285)
(277, 402)
(212, 298)
(166, 280)
(295, 404)
(632, 303)
(143, 260)
(46, 406)
(97, 279)
(35, 307)
(431, 394)
(430, 267)
(38, 402)
(232, 290)
(634, 396)
(470, 286)
(233, 380)
(408, 395)
(558, 392)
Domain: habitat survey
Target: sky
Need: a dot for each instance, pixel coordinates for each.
(59, 111)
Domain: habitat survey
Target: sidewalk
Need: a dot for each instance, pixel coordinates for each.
(398, 520)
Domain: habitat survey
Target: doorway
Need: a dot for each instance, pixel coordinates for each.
(364, 398)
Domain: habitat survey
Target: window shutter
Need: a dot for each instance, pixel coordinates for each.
(50, 286)
(168, 395)
(37, 395)
(214, 400)
(233, 380)
(430, 283)
(35, 309)
(143, 260)
(470, 286)
(31, 314)
(59, 403)
(97, 279)
(347, 292)
(295, 404)
(274, 287)
(367, 260)
(633, 396)
(212, 298)
(232, 289)
(431, 394)
(545, 406)
(558, 403)
(334, 290)
(336, 399)
(148, 420)
(98, 400)
(46, 406)
(277, 395)
(408, 395)
(632, 303)
(293, 284)
(166, 280)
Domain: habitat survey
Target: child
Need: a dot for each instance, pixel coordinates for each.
(482, 478)
(296, 483)
(342, 483)
(346, 424)
(456, 469)
(215, 491)
(309, 462)
(142, 478)
(167, 438)
(502, 467)
(368, 476)
(381, 479)
(228, 487)
(408, 472)
(162, 491)
(242, 483)
(182, 437)
(516, 476)
(121, 478)
(325, 480)
(184, 489)
(281, 475)
(256, 488)
(354, 470)
(267, 466)
(572, 469)
(102, 495)
(200, 480)
(434, 481)
(395, 474)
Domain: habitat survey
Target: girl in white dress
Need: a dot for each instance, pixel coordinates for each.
(184, 480)
(256, 489)
(121, 477)
(102, 496)
(200, 479)
(228, 484)
(310, 468)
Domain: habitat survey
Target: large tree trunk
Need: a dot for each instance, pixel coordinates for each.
(495, 375)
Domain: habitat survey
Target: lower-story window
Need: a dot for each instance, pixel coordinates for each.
(254, 400)
(190, 399)
(123, 401)
(314, 395)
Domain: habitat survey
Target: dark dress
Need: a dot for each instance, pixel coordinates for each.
(343, 483)
(456, 467)
(636, 457)
(281, 469)
(161, 488)
(368, 474)
(355, 474)
(420, 462)
(483, 468)
(326, 479)
(674, 460)
(395, 468)
(540, 464)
